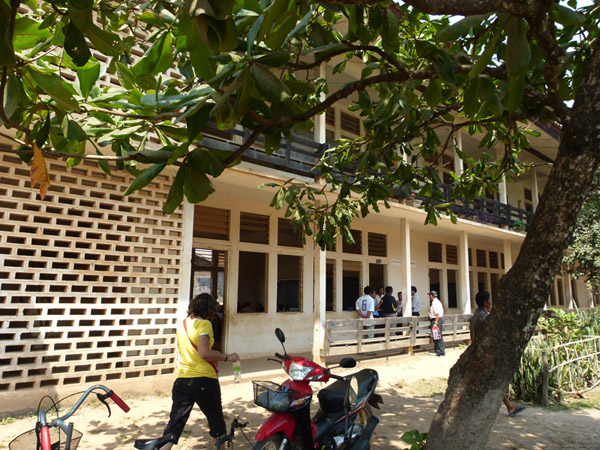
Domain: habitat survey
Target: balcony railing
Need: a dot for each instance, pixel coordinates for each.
(299, 157)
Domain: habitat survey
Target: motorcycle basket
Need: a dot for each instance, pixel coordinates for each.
(273, 397)
(28, 440)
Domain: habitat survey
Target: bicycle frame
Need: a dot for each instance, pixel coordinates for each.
(44, 426)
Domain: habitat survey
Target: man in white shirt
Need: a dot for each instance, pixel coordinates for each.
(416, 302)
(436, 313)
(365, 306)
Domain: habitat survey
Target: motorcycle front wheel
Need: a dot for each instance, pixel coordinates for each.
(271, 443)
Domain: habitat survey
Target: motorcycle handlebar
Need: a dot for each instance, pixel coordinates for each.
(280, 356)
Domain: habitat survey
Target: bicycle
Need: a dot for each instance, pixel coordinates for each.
(154, 444)
(42, 438)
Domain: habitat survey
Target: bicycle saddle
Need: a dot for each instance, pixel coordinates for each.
(153, 444)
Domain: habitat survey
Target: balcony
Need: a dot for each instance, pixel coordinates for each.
(299, 157)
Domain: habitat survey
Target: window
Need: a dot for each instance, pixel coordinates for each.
(451, 254)
(330, 285)
(252, 282)
(350, 123)
(330, 116)
(355, 248)
(494, 282)
(289, 283)
(208, 273)
(211, 223)
(561, 292)
(452, 289)
(376, 276)
(377, 244)
(254, 228)
(482, 282)
(435, 252)
(351, 289)
(435, 280)
(494, 260)
(502, 260)
(481, 258)
(470, 257)
(287, 235)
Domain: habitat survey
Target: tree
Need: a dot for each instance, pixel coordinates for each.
(252, 62)
(583, 256)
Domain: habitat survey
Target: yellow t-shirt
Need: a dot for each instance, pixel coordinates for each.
(190, 364)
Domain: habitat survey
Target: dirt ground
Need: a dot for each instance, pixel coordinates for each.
(412, 388)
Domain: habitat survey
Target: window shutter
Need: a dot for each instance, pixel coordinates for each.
(211, 223)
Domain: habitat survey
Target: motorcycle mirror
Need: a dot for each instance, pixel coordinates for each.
(280, 335)
(348, 363)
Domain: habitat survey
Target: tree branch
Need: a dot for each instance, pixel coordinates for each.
(525, 8)
(245, 146)
(156, 118)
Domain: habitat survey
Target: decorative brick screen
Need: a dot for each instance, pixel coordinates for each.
(88, 278)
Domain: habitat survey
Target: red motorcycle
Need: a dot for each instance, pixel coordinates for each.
(344, 420)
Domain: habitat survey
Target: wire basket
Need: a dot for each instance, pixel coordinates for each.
(28, 440)
(273, 397)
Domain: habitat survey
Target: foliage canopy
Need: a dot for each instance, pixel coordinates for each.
(255, 63)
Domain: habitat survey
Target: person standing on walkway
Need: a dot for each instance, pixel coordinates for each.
(197, 381)
(484, 307)
(416, 302)
(389, 305)
(436, 315)
(400, 307)
(365, 306)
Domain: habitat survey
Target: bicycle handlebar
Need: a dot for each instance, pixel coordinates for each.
(120, 403)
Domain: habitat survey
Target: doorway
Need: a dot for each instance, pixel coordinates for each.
(208, 276)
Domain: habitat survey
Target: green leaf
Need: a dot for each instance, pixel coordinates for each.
(282, 27)
(516, 88)
(234, 86)
(443, 66)
(518, 51)
(433, 92)
(197, 186)
(274, 59)
(27, 34)
(157, 59)
(566, 16)
(269, 86)
(75, 45)
(272, 13)
(81, 13)
(486, 57)
(471, 99)
(145, 177)
(197, 8)
(125, 75)
(301, 25)
(175, 196)
(197, 121)
(272, 142)
(87, 76)
(12, 95)
(179, 134)
(103, 164)
(204, 161)
(390, 32)
(52, 85)
(75, 132)
(457, 29)
(7, 52)
(253, 33)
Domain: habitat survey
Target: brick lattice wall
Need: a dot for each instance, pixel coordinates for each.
(88, 278)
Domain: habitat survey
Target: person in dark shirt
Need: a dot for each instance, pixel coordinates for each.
(389, 305)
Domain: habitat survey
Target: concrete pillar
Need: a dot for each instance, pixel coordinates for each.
(568, 291)
(507, 256)
(320, 127)
(186, 259)
(320, 313)
(406, 267)
(458, 162)
(463, 274)
(534, 188)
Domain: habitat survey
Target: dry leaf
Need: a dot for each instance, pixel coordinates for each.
(39, 171)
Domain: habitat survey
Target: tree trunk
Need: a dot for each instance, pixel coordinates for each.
(480, 378)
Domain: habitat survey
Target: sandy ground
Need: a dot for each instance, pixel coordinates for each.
(412, 389)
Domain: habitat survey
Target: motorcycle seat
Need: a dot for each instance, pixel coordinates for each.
(331, 398)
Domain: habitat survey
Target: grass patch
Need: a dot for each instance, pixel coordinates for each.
(429, 387)
(591, 400)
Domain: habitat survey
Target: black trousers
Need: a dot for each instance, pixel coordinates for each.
(439, 344)
(206, 393)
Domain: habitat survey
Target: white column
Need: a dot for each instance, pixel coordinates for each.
(507, 256)
(186, 258)
(320, 312)
(320, 128)
(406, 267)
(458, 162)
(339, 282)
(534, 188)
(568, 290)
(463, 273)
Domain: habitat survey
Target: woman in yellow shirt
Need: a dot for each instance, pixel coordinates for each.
(197, 380)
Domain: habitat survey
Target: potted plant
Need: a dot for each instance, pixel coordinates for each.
(518, 225)
(413, 201)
